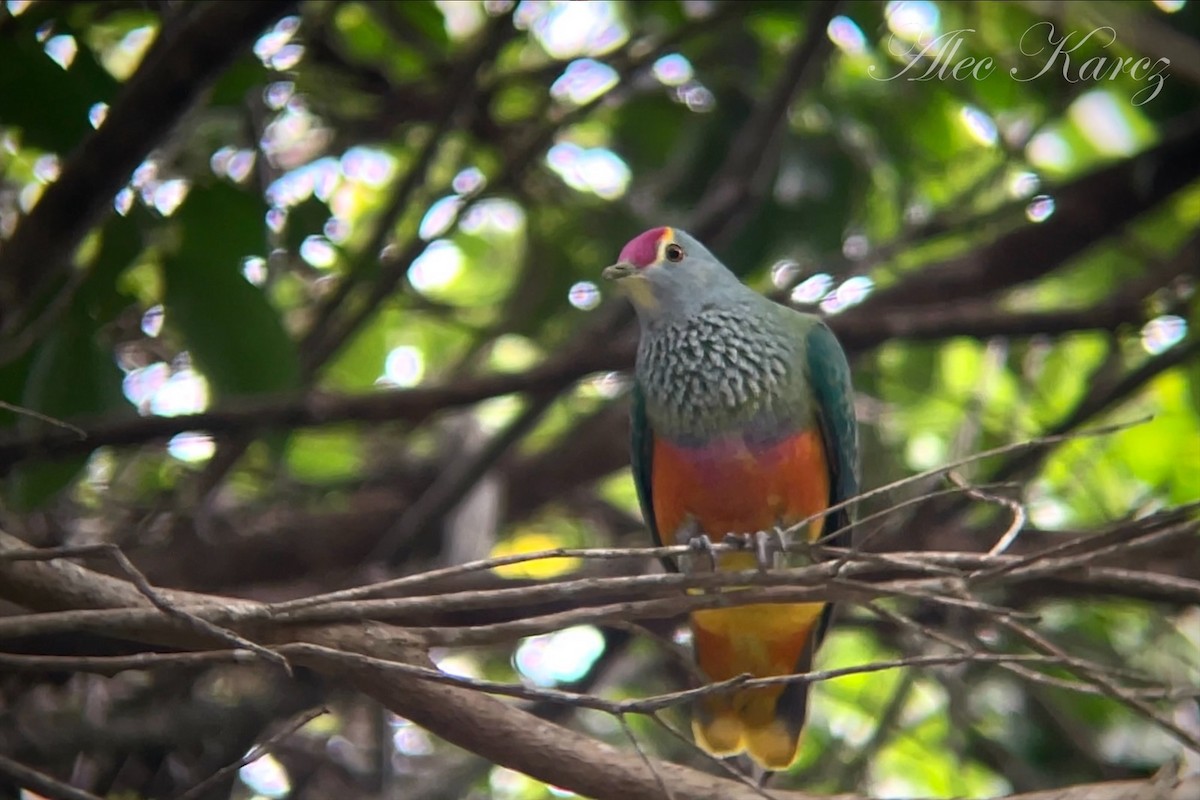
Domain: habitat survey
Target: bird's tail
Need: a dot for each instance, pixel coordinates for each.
(763, 640)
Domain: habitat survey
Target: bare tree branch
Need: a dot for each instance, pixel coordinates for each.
(149, 592)
(392, 667)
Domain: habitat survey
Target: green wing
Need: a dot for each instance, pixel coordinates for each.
(642, 450)
(829, 377)
(828, 380)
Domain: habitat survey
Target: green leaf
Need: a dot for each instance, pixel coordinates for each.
(100, 293)
(244, 76)
(324, 454)
(363, 38)
(1194, 369)
(70, 375)
(234, 335)
(359, 363)
(429, 21)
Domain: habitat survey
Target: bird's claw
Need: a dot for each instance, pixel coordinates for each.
(765, 543)
(700, 544)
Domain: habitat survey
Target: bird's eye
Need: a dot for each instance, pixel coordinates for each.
(673, 252)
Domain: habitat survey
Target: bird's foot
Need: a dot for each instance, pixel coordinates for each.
(701, 545)
(766, 545)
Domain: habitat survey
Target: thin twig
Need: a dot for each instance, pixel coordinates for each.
(42, 783)
(1015, 447)
(29, 412)
(258, 751)
(1096, 401)
(658, 702)
(411, 581)
(637, 747)
(1016, 508)
(1095, 674)
(808, 584)
(112, 665)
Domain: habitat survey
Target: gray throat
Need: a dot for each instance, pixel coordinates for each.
(713, 371)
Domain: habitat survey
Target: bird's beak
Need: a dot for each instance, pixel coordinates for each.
(634, 282)
(622, 269)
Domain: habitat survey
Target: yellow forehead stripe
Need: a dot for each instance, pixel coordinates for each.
(664, 239)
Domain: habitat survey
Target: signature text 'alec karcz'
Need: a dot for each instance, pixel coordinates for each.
(941, 59)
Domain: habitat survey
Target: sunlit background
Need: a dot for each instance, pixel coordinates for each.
(474, 246)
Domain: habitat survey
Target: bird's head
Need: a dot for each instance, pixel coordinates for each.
(667, 272)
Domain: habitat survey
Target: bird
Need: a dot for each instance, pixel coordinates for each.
(743, 426)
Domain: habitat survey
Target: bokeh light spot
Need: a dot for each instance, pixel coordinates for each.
(1024, 184)
(276, 219)
(140, 385)
(97, 114)
(571, 29)
(254, 269)
(169, 195)
(267, 777)
(1040, 208)
(1049, 150)
(435, 268)
(123, 201)
(47, 168)
(318, 251)
(811, 290)
(673, 70)
(469, 180)
(783, 273)
(913, 20)
(854, 290)
(979, 125)
(846, 35)
(696, 97)
(152, 320)
(584, 295)
(559, 657)
(583, 81)
(409, 739)
(440, 217)
(273, 41)
(191, 446)
(495, 214)
(598, 170)
(1102, 119)
(1162, 333)
(277, 94)
(185, 392)
(462, 20)
(62, 49)
(856, 247)
(404, 366)
(369, 166)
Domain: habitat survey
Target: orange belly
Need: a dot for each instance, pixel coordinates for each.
(733, 487)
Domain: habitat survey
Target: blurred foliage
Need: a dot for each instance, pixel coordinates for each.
(396, 194)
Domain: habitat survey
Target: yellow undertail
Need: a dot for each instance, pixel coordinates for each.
(744, 723)
(763, 640)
